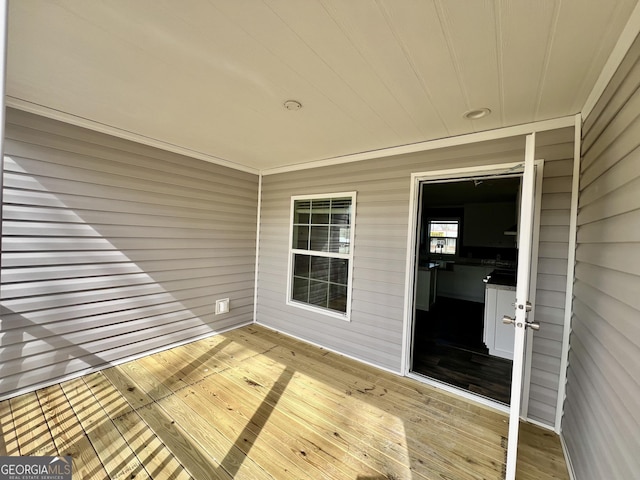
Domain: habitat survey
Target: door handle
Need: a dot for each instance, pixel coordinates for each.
(507, 320)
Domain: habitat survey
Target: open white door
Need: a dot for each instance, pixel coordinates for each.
(525, 231)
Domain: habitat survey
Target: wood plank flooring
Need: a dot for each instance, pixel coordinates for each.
(255, 404)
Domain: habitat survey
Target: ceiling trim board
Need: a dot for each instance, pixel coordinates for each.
(31, 107)
(626, 39)
(466, 139)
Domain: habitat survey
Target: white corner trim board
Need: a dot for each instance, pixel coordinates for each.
(571, 260)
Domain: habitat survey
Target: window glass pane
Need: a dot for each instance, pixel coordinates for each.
(301, 237)
(301, 211)
(339, 271)
(321, 225)
(443, 245)
(318, 293)
(339, 238)
(443, 229)
(300, 289)
(338, 297)
(340, 211)
(319, 239)
(320, 268)
(320, 210)
(301, 265)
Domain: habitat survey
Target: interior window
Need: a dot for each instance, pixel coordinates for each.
(443, 236)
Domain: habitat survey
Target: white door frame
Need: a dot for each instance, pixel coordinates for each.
(411, 267)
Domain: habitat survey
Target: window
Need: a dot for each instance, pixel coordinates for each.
(443, 236)
(322, 253)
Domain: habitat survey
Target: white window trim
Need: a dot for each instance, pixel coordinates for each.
(305, 306)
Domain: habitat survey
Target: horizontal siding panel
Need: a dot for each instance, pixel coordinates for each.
(617, 427)
(544, 396)
(556, 185)
(556, 201)
(549, 315)
(111, 249)
(556, 283)
(544, 346)
(621, 370)
(550, 332)
(53, 244)
(58, 164)
(560, 168)
(624, 199)
(615, 177)
(621, 286)
(178, 218)
(47, 147)
(619, 315)
(554, 234)
(623, 228)
(51, 229)
(551, 299)
(555, 217)
(616, 140)
(544, 363)
(551, 266)
(557, 250)
(623, 258)
(541, 412)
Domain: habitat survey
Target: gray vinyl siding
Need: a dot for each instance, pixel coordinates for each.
(374, 333)
(111, 249)
(601, 416)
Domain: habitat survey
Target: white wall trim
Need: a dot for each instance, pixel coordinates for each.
(47, 112)
(568, 305)
(625, 40)
(87, 371)
(258, 221)
(476, 137)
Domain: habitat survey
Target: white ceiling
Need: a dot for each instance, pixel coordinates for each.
(211, 76)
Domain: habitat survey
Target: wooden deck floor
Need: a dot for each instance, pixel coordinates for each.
(255, 404)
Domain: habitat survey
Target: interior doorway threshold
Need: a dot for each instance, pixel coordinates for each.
(472, 397)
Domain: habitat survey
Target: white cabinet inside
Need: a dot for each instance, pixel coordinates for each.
(498, 337)
(426, 287)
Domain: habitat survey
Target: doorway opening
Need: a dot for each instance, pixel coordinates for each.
(465, 281)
